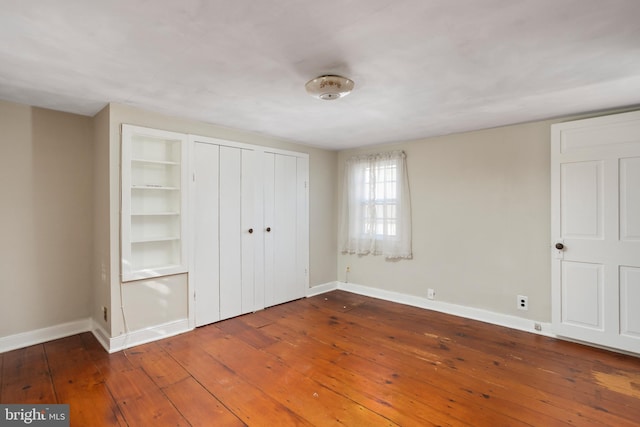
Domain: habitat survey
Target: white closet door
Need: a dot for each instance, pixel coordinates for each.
(206, 263)
(285, 217)
(231, 232)
(250, 219)
(284, 230)
(225, 232)
(269, 216)
(249, 230)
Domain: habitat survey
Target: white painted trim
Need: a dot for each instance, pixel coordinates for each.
(25, 339)
(486, 316)
(147, 335)
(101, 335)
(601, 347)
(143, 336)
(321, 289)
(190, 230)
(513, 322)
(229, 143)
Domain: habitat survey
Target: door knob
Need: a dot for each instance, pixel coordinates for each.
(250, 230)
(559, 246)
(268, 229)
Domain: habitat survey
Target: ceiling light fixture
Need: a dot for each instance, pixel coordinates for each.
(329, 87)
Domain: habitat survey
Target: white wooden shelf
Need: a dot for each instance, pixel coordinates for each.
(153, 187)
(155, 162)
(153, 220)
(154, 213)
(155, 239)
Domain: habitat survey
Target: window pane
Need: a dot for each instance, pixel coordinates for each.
(391, 228)
(380, 227)
(391, 173)
(390, 190)
(379, 198)
(391, 212)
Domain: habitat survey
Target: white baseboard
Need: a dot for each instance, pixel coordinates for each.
(486, 316)
(166, 330)
(321, 289)
(25, 339)
(143, 336)
(111, 345)
(101, 335)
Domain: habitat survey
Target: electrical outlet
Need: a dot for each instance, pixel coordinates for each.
(431, 294)
(104, 313)
(523, 302)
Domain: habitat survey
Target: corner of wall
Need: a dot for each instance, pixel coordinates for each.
(101, 221)
(321, 289)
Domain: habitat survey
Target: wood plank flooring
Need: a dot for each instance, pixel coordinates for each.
(334, 359)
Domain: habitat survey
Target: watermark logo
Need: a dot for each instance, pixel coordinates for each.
(34, 415)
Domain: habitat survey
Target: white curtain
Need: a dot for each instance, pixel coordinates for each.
(376, 206)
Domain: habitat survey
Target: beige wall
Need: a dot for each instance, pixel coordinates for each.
(101, 217)
(46, 216)
(481, 221)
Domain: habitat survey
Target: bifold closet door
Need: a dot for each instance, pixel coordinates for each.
(238, 231)
(285, 226)
(206, 254)
(225, 232)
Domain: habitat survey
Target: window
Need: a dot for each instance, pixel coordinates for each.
(376, 208)
(379, 205)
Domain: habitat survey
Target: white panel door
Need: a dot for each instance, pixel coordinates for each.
(630, 298)
(595, 177)
(286, 226)
(582, 293)
(206, 256)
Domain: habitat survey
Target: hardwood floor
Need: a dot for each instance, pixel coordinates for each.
(334, 359)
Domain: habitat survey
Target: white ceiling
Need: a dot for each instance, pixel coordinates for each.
(421, 67)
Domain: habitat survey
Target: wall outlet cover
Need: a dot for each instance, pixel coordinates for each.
(523, 302)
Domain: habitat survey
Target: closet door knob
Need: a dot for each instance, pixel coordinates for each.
(251, 231)
(559, 246)
(268, 229)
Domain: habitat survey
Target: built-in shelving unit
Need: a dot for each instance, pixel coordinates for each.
(153, 203)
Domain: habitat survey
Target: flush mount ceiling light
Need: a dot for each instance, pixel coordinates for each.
(329, 87)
